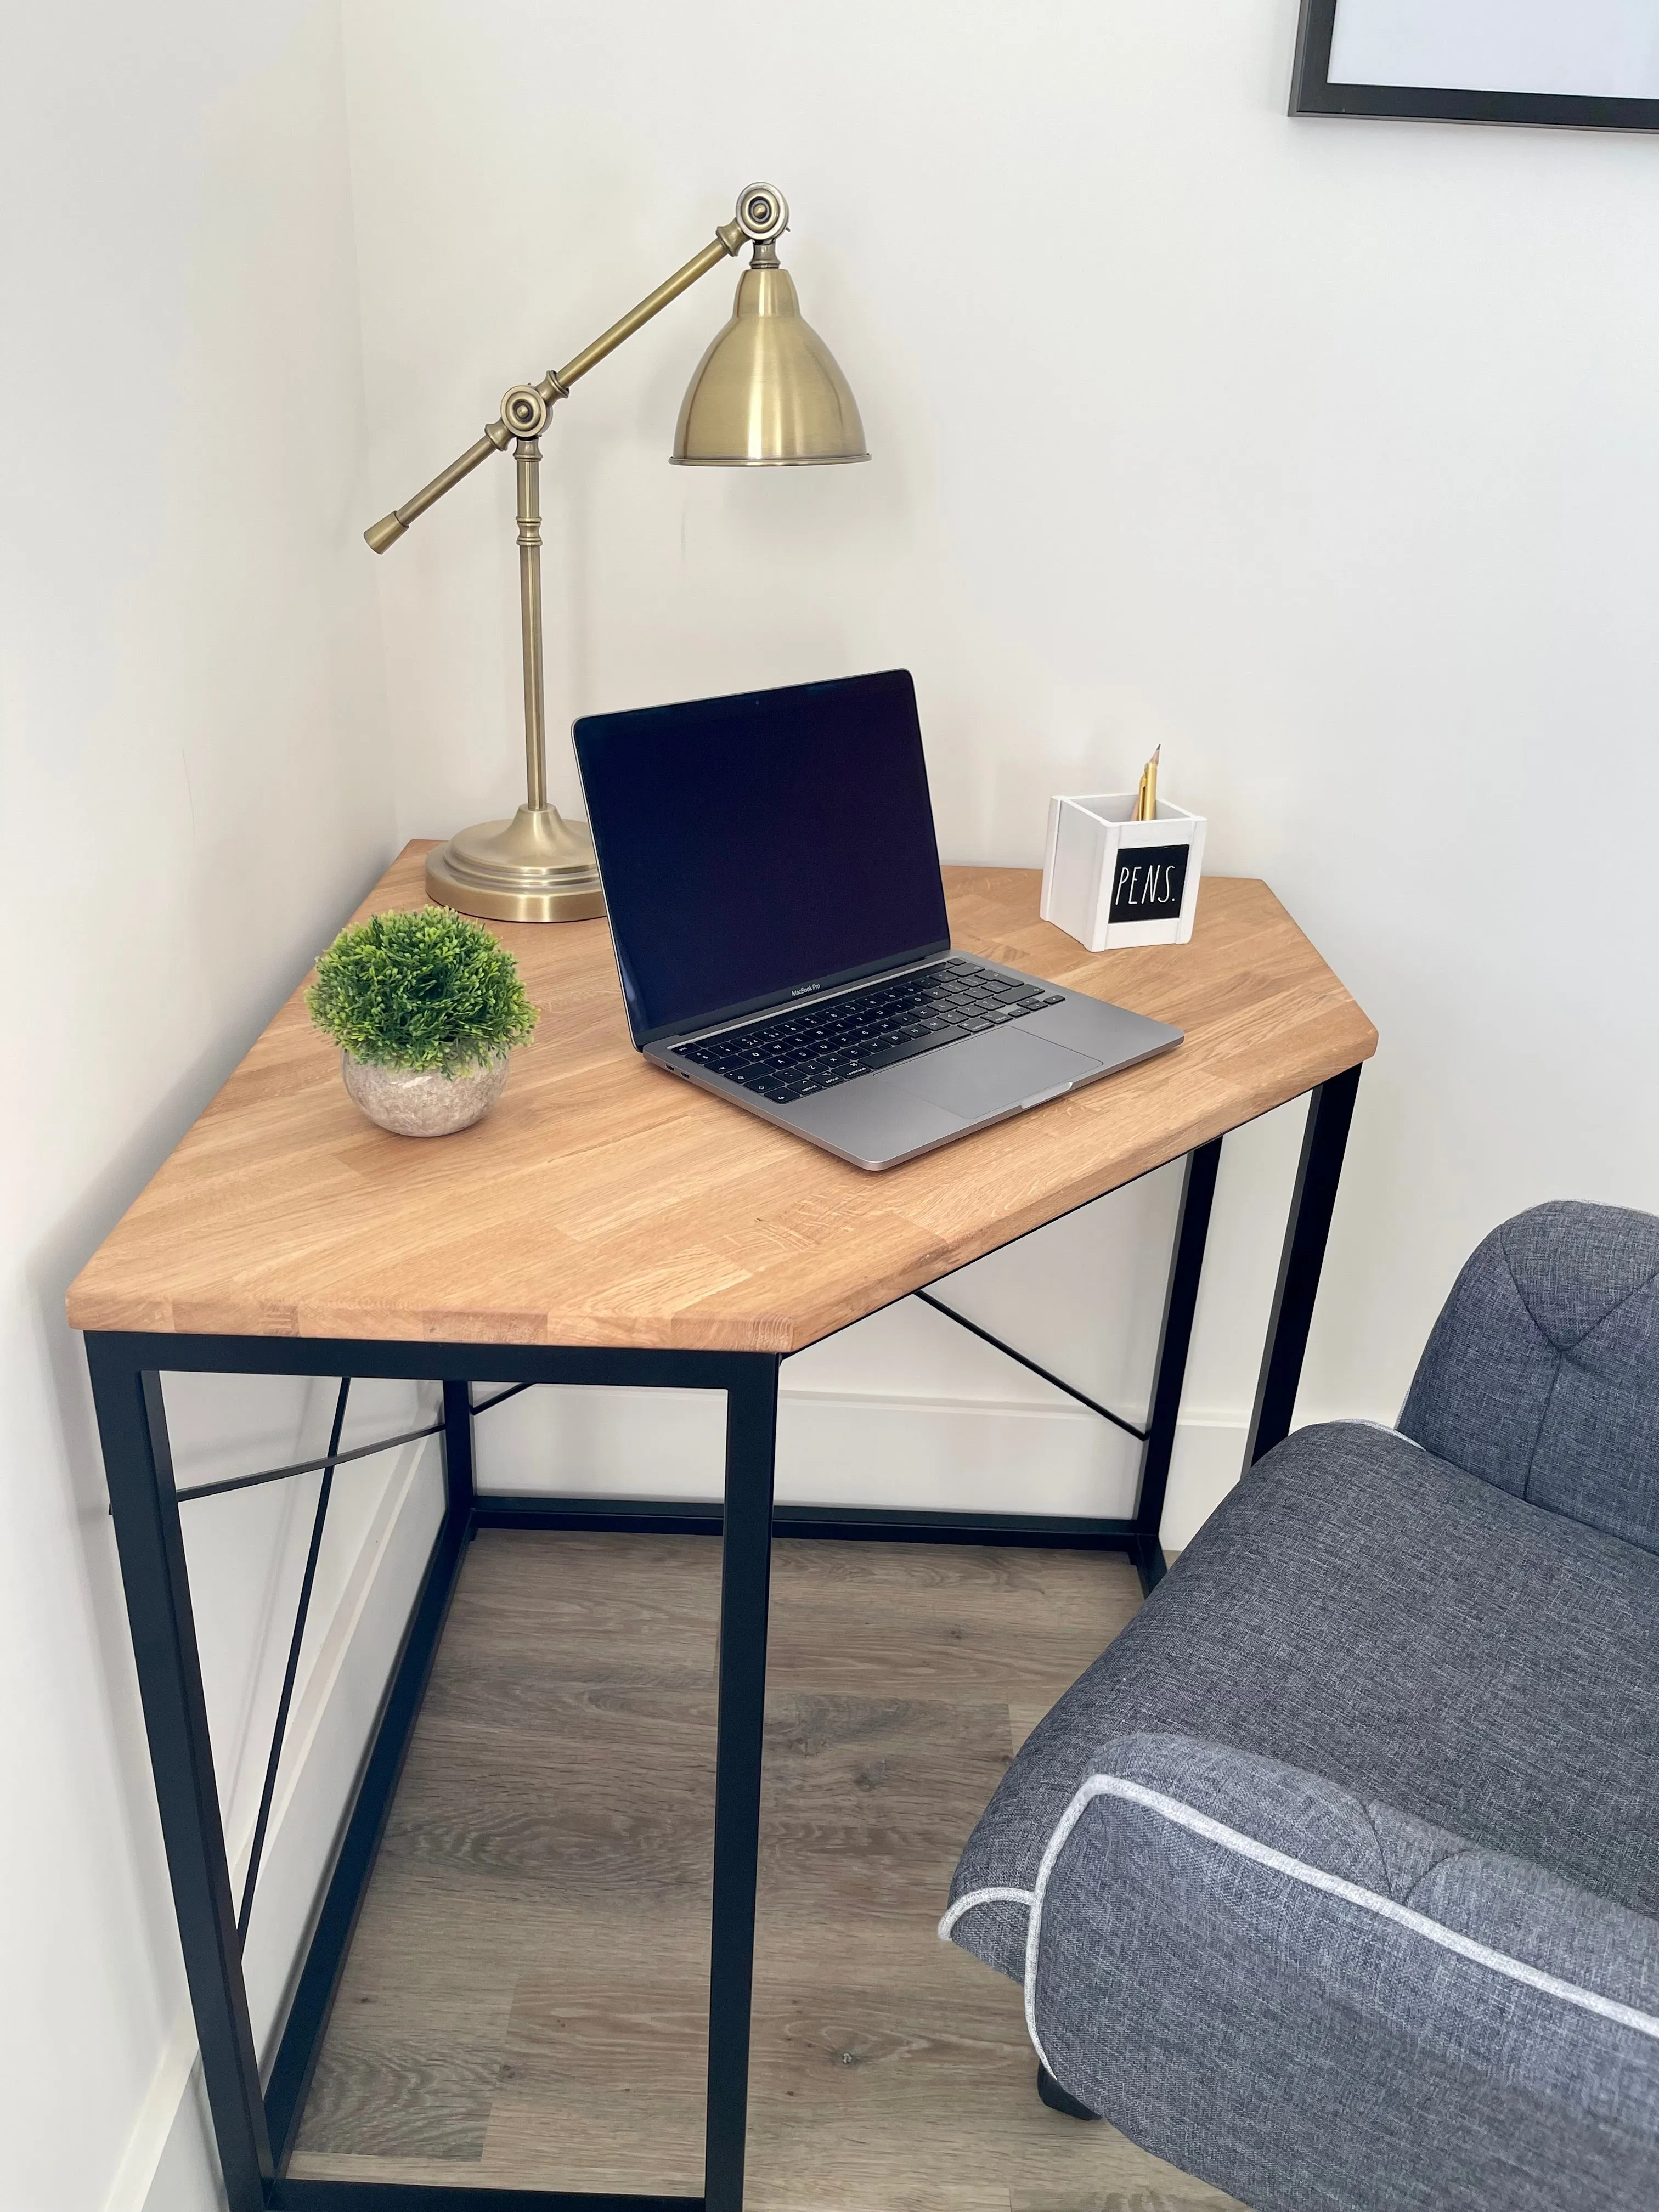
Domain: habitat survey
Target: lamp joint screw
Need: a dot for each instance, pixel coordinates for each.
(763, 212)
(523, 410)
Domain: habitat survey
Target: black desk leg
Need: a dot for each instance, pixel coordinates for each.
(459, 1485)
(1330, 1109)
(138, 1464)
(751, 1422)
(1186, 1266)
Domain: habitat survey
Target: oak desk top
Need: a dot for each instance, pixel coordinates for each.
(604, 1203)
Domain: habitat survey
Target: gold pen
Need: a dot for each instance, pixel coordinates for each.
(1147, 797)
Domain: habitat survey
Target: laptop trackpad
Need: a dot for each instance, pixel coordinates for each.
(988, 1074)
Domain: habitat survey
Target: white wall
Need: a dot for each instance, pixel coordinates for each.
(1322, 453)
(195, 793)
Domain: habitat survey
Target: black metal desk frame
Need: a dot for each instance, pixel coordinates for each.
(255, 2127)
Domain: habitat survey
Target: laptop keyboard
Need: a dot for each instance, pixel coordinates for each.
(830, 1041)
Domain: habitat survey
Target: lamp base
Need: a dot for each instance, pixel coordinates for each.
(537, 868)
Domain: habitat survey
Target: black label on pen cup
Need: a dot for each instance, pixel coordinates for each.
(1148, 882)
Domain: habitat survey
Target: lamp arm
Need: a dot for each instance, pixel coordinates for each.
(724, 243)
(555, 386)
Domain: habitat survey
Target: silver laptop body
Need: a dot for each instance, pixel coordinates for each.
(757, 854)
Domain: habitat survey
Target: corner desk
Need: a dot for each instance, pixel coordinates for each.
(608, 1225)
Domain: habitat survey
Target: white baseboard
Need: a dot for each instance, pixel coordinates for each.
(158, 2115)
(188, 2178)
(858, 1448)
(1208, 1460)
(989, 1455)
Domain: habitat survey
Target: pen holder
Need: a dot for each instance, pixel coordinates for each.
(1109, 880)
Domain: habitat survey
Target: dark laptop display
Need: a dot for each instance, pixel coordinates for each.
(773, 890)
(762, 846)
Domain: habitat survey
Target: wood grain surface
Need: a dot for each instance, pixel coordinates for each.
(525, 2002)
(604, 1203)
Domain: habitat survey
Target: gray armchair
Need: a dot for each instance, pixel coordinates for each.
(1335, 1879)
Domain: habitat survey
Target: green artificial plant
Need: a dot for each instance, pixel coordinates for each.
(429, 991)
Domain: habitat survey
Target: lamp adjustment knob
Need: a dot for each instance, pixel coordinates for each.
(763, 212)
(523, 410)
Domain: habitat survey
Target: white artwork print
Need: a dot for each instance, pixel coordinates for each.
(1607, 49)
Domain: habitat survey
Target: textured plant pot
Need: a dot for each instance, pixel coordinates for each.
(427, 1105)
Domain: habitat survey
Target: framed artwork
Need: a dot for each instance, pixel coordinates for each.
(1592, 63)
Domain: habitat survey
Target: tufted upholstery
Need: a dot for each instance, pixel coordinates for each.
(1542, 1372)
(1360, 1610)
(1335, 1879)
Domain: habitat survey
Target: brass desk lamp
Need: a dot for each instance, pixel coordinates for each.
(766, 394)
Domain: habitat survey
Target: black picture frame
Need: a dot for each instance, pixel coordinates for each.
(1312, 92)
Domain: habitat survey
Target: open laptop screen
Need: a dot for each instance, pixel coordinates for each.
(756, 848)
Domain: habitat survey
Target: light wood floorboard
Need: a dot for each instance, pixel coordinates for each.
(525, 2001)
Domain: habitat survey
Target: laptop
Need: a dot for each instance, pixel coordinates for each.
(773, 884)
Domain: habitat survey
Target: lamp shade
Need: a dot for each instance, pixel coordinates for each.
(767, 394)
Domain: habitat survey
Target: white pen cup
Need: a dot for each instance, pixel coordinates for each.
(1111, 881)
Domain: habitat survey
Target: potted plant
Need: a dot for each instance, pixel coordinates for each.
(425, 1008)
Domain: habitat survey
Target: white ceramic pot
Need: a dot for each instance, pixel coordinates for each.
(425, 1104)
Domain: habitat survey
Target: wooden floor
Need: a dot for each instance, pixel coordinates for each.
(526, 2000)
